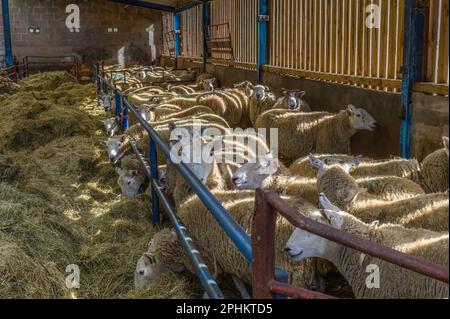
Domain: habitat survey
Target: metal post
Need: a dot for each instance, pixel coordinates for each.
(7, 33)
(263, 247)
(118, 96)
(263, 22)
(154, 171)
(206, 24)
(177, 38)
(413, 52)
(106, 87)
(94, 73)
(99, 86)
(125, 123)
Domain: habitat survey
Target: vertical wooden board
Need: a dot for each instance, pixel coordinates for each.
(390, 51)
(442, 76)
(332, 36)
(340, 38)
(344, 26)
(326, 28)
(431, 40)
(305, 34)
(399, 55)
(315, 41)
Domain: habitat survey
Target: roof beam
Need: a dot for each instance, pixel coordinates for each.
(147, 5)
(188, 5)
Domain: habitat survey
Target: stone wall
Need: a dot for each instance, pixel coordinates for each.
(93, 42)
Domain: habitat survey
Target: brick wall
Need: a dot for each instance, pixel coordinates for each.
(93, 42)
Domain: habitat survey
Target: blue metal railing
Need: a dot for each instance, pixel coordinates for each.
(233, 229)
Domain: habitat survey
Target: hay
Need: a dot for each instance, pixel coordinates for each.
(60, 203)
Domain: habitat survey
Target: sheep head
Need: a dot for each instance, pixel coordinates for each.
(116, 147)
(293, 100)
(260, 92)
(253, 175)
(360, 119)
(335, 182)
(147, 270)
(302, 244)
(130, 182)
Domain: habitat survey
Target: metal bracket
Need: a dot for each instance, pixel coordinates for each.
(263, 18)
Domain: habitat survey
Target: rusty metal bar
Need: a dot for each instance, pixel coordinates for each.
(263, 247)
(295, 292)
(403, 260)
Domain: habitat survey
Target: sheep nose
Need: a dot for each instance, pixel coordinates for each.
(141, 272)
(287, 249)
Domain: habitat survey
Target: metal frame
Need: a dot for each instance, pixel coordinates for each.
(147, 5)
(267, 205)
(206, 23)
(413, 53)
(9, 60)
(263, 43)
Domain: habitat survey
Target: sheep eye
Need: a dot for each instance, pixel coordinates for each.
(359, 115)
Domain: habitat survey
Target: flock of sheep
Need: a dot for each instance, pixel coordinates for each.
(402, 204)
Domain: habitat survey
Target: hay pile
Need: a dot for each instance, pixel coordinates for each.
(60, 203)
(7, 86)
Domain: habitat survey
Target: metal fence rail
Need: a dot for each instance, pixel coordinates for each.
(236, 233)
(267, 205)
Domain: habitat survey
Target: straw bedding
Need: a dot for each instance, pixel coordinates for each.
(60, 203)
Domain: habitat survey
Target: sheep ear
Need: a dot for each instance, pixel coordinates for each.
(350, 110)
(326, 203)
(172, 126)
(270, 167)
(334, 217)
(301, 94)
(446, 142)
(315, 162)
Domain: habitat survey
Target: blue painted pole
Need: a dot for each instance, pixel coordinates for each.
(118, 104)
(154, 173)
(99, 86)
(9, 60)
(413, 51)
(263, 42)
(94, 73)
(125, 122)
(177, 38)
(206, 23)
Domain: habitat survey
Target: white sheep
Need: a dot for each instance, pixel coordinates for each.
(304, 133)
(216, 247)
(261, 100)
(269, 174)
(394, 282)
(111, 126)
(231, 104)
(422, 211)
(434, 170)
(292, 100)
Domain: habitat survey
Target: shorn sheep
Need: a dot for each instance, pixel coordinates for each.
(216, 247)
(304, 133)
(394, 282)
(423, 211)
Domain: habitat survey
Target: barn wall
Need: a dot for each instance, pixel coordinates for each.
(430, 113)
(93, 42)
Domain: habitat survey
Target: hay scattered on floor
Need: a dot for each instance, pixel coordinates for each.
(60, 203)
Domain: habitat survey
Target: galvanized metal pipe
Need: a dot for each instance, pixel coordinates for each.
(154, 176)
(235, 231)
(118, 96)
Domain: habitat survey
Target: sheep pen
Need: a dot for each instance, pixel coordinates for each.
(60, 204)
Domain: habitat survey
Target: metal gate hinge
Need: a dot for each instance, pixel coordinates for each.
(263, 18)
